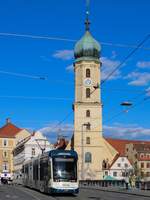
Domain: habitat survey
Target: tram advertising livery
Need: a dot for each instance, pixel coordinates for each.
(53, 172)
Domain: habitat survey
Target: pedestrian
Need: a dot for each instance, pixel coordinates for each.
(127, 182)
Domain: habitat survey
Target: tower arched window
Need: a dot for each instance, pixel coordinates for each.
(88, 126)
(88, 157)
(88, 140)
(88, 73)
(88, 113)
(88, 93)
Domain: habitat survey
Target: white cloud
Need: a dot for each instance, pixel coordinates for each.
(64, 54)
(70, 68)
(117, 130)
(125, 132)
(138, 78)
(52, 130)
(108, 65)
(143, 64)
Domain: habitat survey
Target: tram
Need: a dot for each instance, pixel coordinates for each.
(52, 172)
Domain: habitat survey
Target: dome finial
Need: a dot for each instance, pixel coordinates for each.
(87, 22)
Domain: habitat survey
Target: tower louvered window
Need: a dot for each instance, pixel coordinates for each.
(88, 113)
(88, 73)
(88, 93)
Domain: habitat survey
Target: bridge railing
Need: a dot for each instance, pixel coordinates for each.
(102, 183)
(114, 184)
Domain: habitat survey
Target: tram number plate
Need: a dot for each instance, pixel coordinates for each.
(65, 185)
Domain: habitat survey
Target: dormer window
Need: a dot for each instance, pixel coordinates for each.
(5, 142)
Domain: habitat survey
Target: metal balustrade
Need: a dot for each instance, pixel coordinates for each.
(113, 184)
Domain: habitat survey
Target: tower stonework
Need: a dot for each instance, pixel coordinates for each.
(87, 139)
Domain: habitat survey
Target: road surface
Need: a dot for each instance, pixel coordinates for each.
(8, 192)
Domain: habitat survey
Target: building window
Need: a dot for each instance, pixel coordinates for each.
(123, 174)
(5, 142)
(141, 155)
(148, 165)
(87, 140)
(33, 151)
(5, 154)
(88, 93)
(88, 126)
(88, 73)
(119, 165)
(142, 165)
(88, 113)
(125, 165)
(5, 166)
(88, 157)
(147, 174)
(106, 173)
(114, 173)
(142, 174)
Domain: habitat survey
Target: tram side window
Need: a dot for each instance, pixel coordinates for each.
(43, 169)
(26, 170)
(35, 170)
(49, 169)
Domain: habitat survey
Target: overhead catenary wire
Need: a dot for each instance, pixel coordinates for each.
(37, 98)
(125, 59)
(68, 40)
(125, 111)
(22, 75)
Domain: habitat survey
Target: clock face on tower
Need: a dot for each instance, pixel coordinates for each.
(87, 82)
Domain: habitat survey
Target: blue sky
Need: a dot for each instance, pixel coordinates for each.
(40, 104)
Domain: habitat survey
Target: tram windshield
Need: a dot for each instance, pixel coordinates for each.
(65, 169)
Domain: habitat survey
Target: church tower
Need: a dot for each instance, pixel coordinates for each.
(87, 139)
(87, 106)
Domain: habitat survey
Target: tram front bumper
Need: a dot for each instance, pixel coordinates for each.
(65, 190)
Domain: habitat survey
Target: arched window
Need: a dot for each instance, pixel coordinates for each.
(88, 73)
(88, 157)
(88, 92)
(88, 126)
(87, 140)
(88, 113)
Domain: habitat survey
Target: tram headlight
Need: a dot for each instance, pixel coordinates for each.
(59, 172)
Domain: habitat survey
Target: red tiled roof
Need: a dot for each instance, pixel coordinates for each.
(9, 130)
(120, 144)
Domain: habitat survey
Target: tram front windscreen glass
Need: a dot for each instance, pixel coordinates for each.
(64, 169)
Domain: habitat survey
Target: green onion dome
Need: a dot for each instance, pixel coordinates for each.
(87, 48)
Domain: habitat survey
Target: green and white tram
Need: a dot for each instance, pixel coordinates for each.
(53, 172)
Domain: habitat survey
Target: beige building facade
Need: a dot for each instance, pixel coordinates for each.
(139, 155)
(10, 135)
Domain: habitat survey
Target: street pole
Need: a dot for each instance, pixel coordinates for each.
(82, 154)
(82, 151)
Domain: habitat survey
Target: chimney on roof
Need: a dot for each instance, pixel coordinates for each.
(7, 120)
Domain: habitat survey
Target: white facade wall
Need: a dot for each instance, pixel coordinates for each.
(36, 142)
(120, 168)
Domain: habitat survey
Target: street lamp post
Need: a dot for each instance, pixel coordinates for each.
(82, 151)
